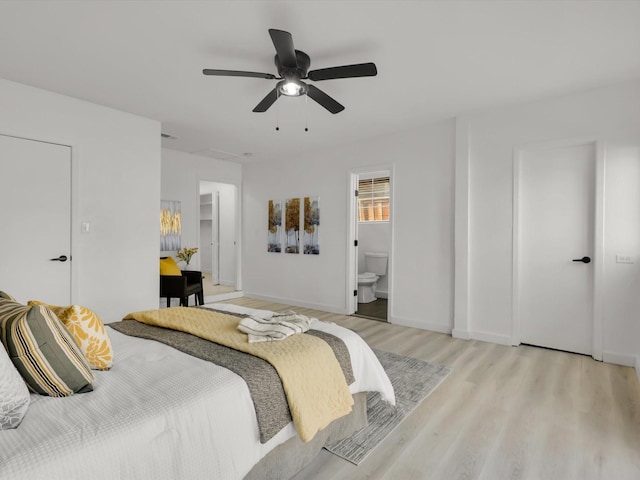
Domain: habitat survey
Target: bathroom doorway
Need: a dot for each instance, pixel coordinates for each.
(371, 220)
(218, 240)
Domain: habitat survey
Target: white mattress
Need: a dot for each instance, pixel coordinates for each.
(157, 414)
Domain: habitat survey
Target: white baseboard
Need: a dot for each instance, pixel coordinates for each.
(380, 294)
(461, 334)
(297, 303)
(491, 338)
(457, 333)
(407, 322)
(623, 359)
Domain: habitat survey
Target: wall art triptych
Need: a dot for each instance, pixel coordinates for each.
(287, 219)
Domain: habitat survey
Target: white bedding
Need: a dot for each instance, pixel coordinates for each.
(157, 414)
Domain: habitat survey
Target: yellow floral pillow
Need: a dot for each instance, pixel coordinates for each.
(88, 331)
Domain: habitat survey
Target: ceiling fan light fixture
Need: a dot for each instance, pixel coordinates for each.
(292, 88)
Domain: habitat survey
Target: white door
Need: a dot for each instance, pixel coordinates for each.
(35, 194)
(556, 246)
(215, 239)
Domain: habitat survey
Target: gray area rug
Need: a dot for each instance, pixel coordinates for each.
(413, 380)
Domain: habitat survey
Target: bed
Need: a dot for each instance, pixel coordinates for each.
(163, 414)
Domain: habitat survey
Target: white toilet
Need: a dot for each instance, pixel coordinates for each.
(376, 266)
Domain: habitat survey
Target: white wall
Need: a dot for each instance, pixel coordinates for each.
(181, 176)
(424, 161)
(422, 252)
(610, 115)
(115, 187)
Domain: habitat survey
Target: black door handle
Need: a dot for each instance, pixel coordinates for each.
(583, 260)
(61, 258)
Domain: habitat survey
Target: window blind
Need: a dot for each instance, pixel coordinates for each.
(373, 200)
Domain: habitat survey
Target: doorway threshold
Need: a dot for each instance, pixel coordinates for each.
(223, 296)
(376, 310)
(369, 317)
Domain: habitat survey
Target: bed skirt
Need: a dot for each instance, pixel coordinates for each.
(284, 461)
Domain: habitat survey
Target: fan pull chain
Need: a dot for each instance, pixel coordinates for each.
(306, 113)
(277, 112)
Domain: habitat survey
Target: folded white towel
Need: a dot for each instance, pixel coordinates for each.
(278, 327)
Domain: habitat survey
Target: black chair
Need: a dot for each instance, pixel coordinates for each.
(182, 287)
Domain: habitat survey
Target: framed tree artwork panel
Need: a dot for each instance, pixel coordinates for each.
(292, 225)
(274, 233)
(311, 242)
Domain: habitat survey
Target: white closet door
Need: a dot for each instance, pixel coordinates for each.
(557, 201)
(35, 194)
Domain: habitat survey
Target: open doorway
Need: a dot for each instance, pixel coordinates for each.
(371, 231)
(218, 240)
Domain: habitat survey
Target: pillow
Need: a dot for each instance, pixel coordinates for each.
(43, 350)
(89, 333)
(7, 296)
(14, 394)
(168, 266)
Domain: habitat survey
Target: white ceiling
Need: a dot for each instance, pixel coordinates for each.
(435, 59)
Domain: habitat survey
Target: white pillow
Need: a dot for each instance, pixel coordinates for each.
(14, 394)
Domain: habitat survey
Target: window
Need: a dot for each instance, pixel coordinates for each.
(373, 200)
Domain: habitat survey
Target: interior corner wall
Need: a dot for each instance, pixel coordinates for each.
(180, 180)
(422, 244)
(609, 115)
(115, 187)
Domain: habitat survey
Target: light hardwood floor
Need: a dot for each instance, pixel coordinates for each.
(209, 289)
(503, 413)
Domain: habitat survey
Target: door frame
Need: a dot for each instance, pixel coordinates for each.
(215, 236)
(597, 322)
(352, 235)
(237, 221)
(74, 212)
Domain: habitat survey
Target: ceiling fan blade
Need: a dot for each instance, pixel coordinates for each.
(284, 47)
(323, 99)
(267, 101)
(237, 73)
(346, 71)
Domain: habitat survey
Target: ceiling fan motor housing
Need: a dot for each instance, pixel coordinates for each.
(297, 72)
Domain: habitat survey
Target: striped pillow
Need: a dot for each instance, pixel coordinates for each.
(7, 296)
(43, 350)
(88, 331)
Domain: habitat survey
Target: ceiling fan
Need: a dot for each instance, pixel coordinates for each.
(292, 66)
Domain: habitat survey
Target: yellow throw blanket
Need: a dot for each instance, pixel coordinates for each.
(313, 381)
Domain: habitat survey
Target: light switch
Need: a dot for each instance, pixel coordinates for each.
(85, 227)
(624, 259)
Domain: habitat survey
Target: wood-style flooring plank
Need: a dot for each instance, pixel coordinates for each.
(504, 413)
